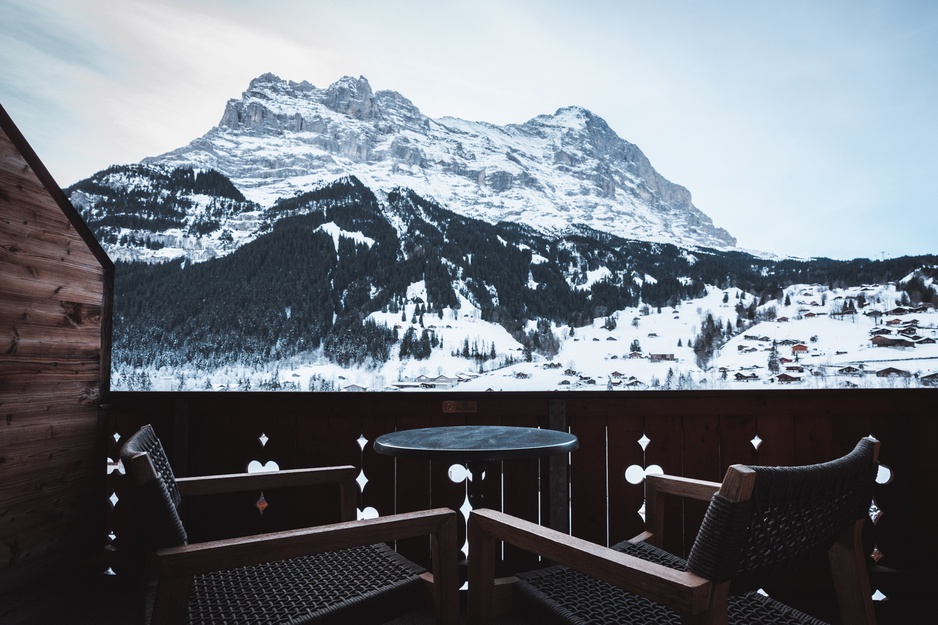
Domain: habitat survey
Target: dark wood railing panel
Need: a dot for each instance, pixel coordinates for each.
(696, 434)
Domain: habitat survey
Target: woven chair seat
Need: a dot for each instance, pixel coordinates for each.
(367, 584)
(558, 595)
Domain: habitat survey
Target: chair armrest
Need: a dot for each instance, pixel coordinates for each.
(175, 566)
(238, 482)
(656, 485)
(344, 476)
(682, 486)
(680, 590)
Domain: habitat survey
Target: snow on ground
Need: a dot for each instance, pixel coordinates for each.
(836, 351)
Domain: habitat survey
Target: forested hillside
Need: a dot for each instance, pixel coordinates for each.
(335, 256)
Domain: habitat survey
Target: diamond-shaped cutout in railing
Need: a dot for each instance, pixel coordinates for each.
(756, 442)
(876, 555)
(261, 504)
(875, 512)
(116, 437)
(362, 441)
(263, 439)
(113, 499)
(465, 509)
(643, 441)
(362, 480)
(879, 596)
(641, 512)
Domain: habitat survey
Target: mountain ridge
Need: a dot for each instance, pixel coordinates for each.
(282, 137)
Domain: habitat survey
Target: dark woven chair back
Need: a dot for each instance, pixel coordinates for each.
(145, 440)
(793, 517)
(155, 502)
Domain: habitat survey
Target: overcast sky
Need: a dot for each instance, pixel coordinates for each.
(803, 127)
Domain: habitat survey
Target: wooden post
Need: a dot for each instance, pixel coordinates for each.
(558, 478)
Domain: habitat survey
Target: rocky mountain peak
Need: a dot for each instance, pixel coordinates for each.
(283, 138)
(350, 96)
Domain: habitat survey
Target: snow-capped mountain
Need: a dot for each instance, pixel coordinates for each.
(283, 138)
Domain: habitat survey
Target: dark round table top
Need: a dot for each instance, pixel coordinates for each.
(476, 443)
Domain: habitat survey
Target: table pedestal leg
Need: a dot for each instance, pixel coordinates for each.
(476, 497)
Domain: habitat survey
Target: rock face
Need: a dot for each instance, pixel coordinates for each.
(553, 172)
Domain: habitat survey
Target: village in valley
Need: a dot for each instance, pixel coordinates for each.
(811, 337)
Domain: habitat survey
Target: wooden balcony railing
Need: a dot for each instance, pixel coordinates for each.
(596, 494)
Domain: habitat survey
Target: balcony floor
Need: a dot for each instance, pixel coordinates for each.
(105, 600)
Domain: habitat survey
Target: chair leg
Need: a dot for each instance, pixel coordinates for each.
(172, 600)
(851, 579)
(717, 612)
(481, 606)
(445, 574)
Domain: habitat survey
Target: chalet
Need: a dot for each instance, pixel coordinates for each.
(810, 315)
(799, 348)
(569, 372)
(849, 370)
(892, 372)
(660, 357)
(794, 369)
(442, 381)
(880, 331)
(617, 374)
(899, 310)
(746, 377)
(929, 380)
(891, 341)
(635, 355)
(782, 319)
(893, 322)
(354, 388)
(926, 340)
(784, 378)
(908, 331)
(785, 360)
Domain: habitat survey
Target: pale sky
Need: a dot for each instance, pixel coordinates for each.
(803, 127)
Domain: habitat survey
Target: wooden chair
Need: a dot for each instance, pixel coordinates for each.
(762, 524)
(339, 573)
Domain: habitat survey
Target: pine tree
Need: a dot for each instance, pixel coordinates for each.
(773, 358)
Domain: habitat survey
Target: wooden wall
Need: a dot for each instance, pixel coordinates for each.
(55, 308)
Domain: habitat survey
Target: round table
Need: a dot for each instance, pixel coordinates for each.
(474, 445)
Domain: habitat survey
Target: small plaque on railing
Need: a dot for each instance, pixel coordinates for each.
(460, 407)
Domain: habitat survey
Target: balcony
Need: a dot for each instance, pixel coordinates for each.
(61, 513)
(596, 494)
